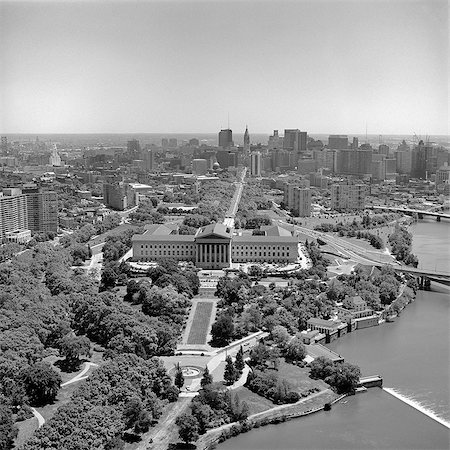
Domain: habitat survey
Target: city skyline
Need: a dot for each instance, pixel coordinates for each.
(172, 67)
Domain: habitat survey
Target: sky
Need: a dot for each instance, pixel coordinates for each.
(323, 66)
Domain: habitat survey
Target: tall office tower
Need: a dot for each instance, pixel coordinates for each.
(148, 156)
(4, 145)
(379, 167)
(199, 166)
(338, 141)
(42, 209)
(134, 148)
(255, 164)
(383, 149)
(403, 159)
(282, 160)
(194, 142)
(420, 160)
(164, 143)
(354, 162)
(226, 138)
(355, 143)
(275, 141)
(227, 158)
(116, 194)
(325, 158)
(348, 196)
(13, 212)
(246, 141)
(295, 140)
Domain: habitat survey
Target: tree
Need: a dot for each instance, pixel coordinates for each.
(41, 383)
(230, 372)
(295, 350)
(222, 330)
(207, 378)
(239, 362)
(259, 355)
(188, 428)
(179, 377)
(344, 378)
(8, 431)
(72, 347)
(280, 336)
(321, 368)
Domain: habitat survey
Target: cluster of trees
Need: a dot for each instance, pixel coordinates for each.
(213, 407)
(125, 395)
(117, 245)
(36, 289)
(343, 377)
(252, 200)
(120, 328)
(268, 383)
(319, 262)
(376, 290)
(245, 309)
(401, 242)
(147, 213)
(356, 228)
(233, 370)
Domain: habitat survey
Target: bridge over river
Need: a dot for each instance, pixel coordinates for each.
(421, 213)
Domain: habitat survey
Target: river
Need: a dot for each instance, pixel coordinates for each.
(412, 355)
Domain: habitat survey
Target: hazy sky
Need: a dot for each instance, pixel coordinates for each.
(169, 66)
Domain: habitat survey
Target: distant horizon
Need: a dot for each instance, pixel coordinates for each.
(134, 65)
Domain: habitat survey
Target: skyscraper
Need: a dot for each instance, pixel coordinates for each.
(246, 141)
(226, 138)
(4, 145)
(421, 159)
(13, 212)
(295, 140)
(338, 141)
(255, 164)
(134, 148)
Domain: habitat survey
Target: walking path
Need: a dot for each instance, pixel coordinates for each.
(165, 432)
(39, 417)
(80, 376)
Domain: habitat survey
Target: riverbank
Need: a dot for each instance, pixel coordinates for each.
(279, 414)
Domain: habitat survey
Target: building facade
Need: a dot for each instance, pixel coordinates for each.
(13, 212)
(255, 164)
(214, 246)
(226, 138)
(348, 196)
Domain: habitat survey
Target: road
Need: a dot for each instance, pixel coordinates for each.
(232, 210)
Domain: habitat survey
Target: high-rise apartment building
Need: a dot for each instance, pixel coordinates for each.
(42, 207)
(117, 194)
(348, 196)
(226, 138)
(338, 141)
(255, 164)
(355, 143)
(297, 198)
(13, 212)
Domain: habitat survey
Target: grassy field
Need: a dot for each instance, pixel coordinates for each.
(299, 377)
(255, 402)
(200, 323)
(26, 430)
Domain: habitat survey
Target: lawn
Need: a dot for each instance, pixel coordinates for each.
(26, 430)
(200, 323)
(299, 377)
(255, 402)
